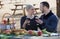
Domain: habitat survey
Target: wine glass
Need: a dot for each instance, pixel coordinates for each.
(28, 20)
(36, 18)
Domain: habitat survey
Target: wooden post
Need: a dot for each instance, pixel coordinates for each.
(58, 7)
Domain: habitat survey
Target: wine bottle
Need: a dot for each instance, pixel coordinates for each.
(8, 25)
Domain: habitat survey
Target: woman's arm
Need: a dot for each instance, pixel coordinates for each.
(22, 21)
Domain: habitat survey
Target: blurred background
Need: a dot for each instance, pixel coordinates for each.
(16, 9)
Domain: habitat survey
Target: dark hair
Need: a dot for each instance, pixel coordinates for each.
(45, 4)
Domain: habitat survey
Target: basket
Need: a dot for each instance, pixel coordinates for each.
(5, 26)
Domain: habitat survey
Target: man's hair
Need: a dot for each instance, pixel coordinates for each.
(45, 4)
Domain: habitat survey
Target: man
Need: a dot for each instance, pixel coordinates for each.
(48, 20)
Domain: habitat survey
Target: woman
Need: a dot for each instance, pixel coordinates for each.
(28, 22)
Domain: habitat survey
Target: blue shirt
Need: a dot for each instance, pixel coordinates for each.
(50, 22)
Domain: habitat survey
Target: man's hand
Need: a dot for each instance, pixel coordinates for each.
(39, 21)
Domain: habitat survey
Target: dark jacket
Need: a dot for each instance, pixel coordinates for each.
(32, 25)
(50, 22)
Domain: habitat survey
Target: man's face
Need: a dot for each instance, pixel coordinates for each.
(42, 8)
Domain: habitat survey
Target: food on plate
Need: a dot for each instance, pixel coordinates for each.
(0, 31)
(34, 33)
(45, 32)
(30, 32)
(25, 32)
(7, 32)
(19, 31)
(39, 33)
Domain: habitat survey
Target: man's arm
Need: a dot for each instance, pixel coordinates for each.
(52, 24)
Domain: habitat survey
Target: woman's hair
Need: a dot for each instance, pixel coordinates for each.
(28, 7)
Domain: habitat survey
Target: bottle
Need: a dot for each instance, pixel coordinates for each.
(8, 25)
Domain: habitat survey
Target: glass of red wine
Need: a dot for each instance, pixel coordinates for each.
(28, 20)
(36, 18)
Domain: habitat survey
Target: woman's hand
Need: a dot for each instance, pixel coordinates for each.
(26, 22)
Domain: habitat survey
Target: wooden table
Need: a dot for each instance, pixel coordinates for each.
(30, 37)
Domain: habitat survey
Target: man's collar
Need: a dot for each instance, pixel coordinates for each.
(48, 15)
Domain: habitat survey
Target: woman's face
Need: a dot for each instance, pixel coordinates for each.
(31, 11)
